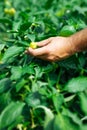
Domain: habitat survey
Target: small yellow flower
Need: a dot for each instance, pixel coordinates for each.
(33, 45)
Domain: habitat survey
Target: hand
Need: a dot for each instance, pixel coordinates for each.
(52, 49)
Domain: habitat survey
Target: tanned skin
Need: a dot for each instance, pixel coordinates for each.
(58, 48)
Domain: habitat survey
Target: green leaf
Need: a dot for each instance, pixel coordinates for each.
(11, 52)
(69, 63)
(83, 102)
(5, 20)
(49, 115)
(10, 114)
(48, 4)
(2, 46)
(2, 66)
(67, 30)
(30, 37)
(5, 98)
(71, 115)
(76, 85)
(57, 101)
(28, 69)
(20, 84)
(25, 26)
(38, 72)
(16, 72)
(49, 125)
(33, 99)
(62, 122)
(5, 85)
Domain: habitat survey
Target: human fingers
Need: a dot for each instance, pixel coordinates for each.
(37, 52)
(48, 58)
(44, 42)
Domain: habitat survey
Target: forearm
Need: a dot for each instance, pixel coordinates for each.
(79, 41)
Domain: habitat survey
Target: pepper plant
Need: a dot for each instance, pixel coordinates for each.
(38, 95)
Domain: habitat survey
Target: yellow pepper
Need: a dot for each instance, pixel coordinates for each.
(33, 45)
(10, 11)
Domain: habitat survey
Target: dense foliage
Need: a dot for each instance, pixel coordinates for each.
(38, 95)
